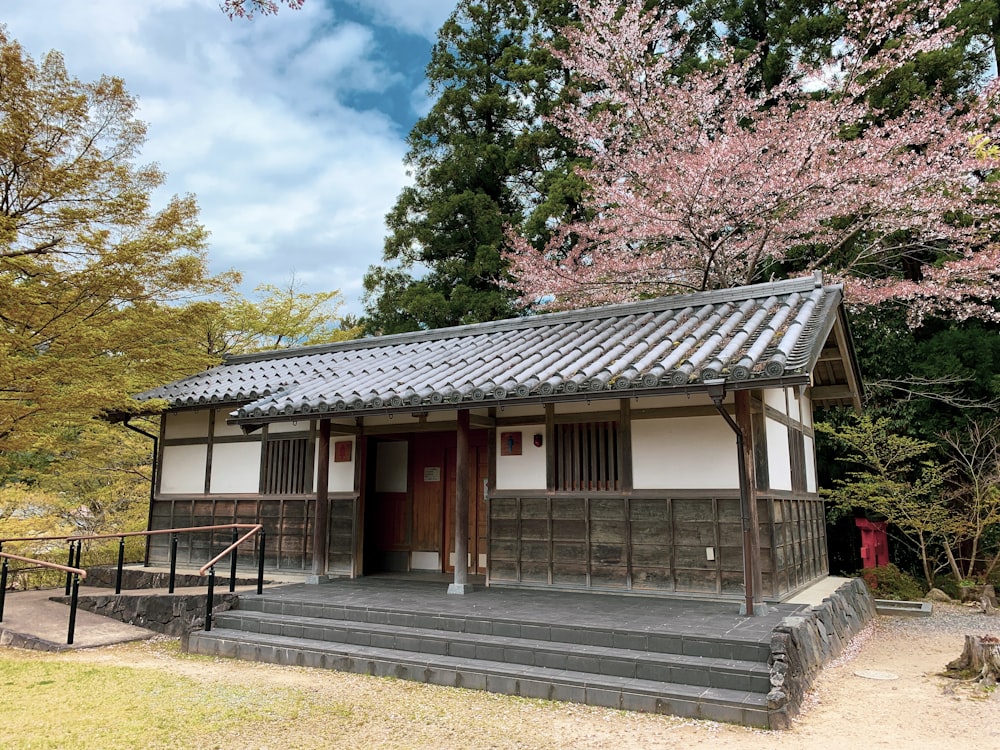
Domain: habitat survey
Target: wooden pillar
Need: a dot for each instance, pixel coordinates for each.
(321, 519)
(748, 493)
(461, 584)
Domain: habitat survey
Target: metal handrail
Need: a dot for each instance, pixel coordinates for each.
(231, 550)
(73, 570)
(76, 573)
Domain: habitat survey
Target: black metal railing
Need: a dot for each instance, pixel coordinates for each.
(74, 571)
(76, 574)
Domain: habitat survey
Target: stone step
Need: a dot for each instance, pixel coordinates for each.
(529, 681)
(687, 644)
(601, 660)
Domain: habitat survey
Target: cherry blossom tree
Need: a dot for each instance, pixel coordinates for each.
(699, 180)
(248, 8)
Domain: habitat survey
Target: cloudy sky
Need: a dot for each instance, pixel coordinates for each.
(289, 129)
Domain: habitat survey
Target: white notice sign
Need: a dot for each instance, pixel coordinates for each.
(432, 473)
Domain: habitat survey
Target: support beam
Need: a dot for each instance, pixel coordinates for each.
(461, 584)
(753, 604)
(749, 492)
(321, 519)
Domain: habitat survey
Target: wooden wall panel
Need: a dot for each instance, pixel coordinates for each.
(286, 521)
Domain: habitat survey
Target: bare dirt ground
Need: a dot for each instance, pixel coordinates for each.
(918, 709)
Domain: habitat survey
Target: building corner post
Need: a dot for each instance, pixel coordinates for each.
(753, 603)
(461, 584)
(321, 518)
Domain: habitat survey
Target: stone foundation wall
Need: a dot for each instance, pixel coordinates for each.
(802, 644)
(139, 578)
(170, 614)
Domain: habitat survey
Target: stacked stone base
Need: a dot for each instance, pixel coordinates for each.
(801, 645)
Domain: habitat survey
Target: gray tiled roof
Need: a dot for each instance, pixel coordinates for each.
(747, 336)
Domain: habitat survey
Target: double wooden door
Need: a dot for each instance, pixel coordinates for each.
(414, 512)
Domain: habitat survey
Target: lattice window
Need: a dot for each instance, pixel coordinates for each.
(587, 457)
(288, 466)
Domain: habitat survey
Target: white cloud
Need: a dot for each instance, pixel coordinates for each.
(422, 17)
(260, 120)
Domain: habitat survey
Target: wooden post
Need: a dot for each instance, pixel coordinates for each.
(461, 584)
(321, 519)
(749, 494)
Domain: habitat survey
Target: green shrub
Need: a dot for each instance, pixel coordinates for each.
(890, 582)
(948, 585)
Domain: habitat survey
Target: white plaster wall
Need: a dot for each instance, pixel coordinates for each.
(526, 410)
(183, 470)
(524, 472)
(805, 403)
(675, 402)
(585, 407)
(341, 474)
(235, 468)
(425, 561)
(684, 453)
(810, 453)
(779, 464)
(775, 398)
(299, 425)
(398, 420)
(794, 404)
(225, 430)
(390, 467)
(186, 424)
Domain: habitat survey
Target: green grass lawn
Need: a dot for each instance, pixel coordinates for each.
(53, 702)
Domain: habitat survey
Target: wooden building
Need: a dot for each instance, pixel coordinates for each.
(663, 447)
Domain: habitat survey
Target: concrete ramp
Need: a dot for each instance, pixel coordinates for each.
(32, 620)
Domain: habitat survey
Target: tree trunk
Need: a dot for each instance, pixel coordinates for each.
(980, 660)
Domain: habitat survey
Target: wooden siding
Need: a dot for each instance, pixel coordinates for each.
(646, 543)
(287, 522)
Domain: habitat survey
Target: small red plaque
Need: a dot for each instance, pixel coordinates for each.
(342, 451)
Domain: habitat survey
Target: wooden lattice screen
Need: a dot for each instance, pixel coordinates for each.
(587, 457)
(288, 467)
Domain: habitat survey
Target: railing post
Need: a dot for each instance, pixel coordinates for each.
(69, 564)
(232, 562)
(72, 608)
(211, 596)
(3, 586)
(121, 564)
(173, 563)
(261, 539)
(79, 551)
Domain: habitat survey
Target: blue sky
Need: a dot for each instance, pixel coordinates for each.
(290, 129)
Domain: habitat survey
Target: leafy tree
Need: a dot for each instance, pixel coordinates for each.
(944, 498)
(88, 271)
(702, 180)
(894, 479)
(93, 283)
(973, 492)
(481, 159)
(279, 318)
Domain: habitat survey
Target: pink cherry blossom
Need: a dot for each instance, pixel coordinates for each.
(703, 181)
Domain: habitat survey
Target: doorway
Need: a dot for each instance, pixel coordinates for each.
(410, 503)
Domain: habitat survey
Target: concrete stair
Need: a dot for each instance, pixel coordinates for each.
(700, 676)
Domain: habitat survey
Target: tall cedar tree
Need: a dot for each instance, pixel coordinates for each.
(481, 159)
